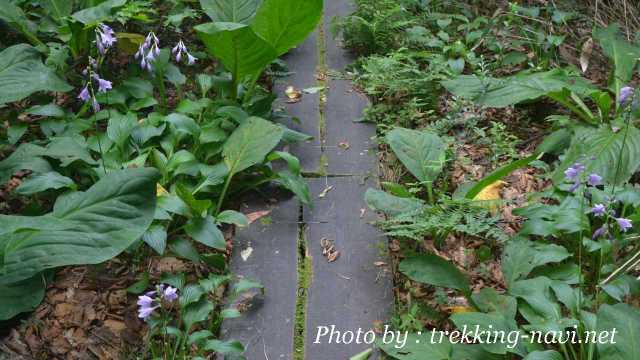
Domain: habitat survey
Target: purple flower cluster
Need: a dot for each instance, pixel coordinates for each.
(600, 210)
(87, 94)
(153, 300)
(105, 38)
(626, 94)
(181, 49)
(148, 52)
(574, 172)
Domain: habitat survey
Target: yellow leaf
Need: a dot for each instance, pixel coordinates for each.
(160, 191)
(490, 194)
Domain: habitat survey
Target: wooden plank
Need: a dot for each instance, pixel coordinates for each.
(336, 57)
(349, 145)
(266, 329)
(302, 62)
(353, 292)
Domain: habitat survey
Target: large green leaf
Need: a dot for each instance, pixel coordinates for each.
(494, 92)
(57, 9)
(240, 50)
(423, 153)
(20, 297)
(521, 256)
(490, 322)
(250, 143)
(626, 321)
(390, 204)
(286, 23)
(236, 11)
(22, 73)
(41, 182)
(26, 157)
(84, 228)
(544, 355)
(622, 53)
(16, 18)
(433, 270)
(96, 14)
(605, 152)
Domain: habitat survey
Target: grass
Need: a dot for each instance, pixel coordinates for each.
(305, 276)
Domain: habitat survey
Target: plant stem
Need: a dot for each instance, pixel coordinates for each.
(163, 94)
(223, 194)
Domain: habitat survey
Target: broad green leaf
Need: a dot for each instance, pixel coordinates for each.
(488, 300)
(390, 204)
(286, 23)
(494, 92)
(58, 9)
(26, 157)
(156, 238)
(16, 18)
(198, 207)
(205, 231)
(225, 347)
(363, 355)
(49, 110)
(22, 73)
(537, 293)
(422, 347)
(120, 127)
(489, 322)
(138, 88)
(197, 312)
(608, 148)
(250, 143)
(626, 321)
(521, 256)
(190, 294)
(232, 217)
(296, 184)
(544, 355)
(423, 153)
(69, 149)
(622, 53)
(185, 249)
(236, 11)
(22, 296)
(41, 182)
(241, 51)
(433, 270)
(84, 228)
(96, 14)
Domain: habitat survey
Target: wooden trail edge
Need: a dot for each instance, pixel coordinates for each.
(305, 294)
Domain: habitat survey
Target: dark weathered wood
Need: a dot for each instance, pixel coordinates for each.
(351, 293)
(302, 62)
(349, 145)
(337, 58)
(266, 329)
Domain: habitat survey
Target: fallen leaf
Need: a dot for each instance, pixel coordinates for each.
(161, 191)
(325, 191)
(333, 256)
(489, 194)
(380, 263)
(344, 145)
(246, 253)
(251, 217)
(585, 54)
(293, 94)
(362, 212)
(313, 90)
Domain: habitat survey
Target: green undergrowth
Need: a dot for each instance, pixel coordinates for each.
(458, 86)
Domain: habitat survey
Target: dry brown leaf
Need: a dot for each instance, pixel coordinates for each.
(252, 217)
(325, 191)
(585, 54)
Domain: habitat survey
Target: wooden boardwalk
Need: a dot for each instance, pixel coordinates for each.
(305, 293)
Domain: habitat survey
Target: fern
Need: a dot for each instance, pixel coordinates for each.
(439, 220)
